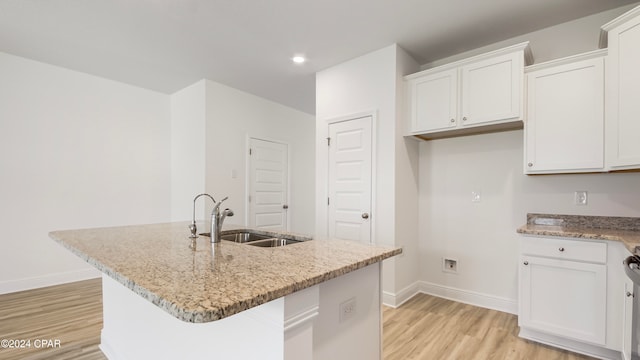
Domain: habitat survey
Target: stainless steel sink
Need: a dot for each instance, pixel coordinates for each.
(274, 242)
(256, 239)
(244, 237)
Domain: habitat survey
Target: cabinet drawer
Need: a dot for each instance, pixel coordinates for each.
(588, 251)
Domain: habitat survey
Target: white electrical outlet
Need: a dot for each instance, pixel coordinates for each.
(580, 197)
(450, 265)
(347, 309)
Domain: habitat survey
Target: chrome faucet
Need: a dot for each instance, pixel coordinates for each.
(193, 228)
(217, 218)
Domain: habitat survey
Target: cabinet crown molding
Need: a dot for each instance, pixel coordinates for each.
(528, 59)
(567, 60)
(604, 29)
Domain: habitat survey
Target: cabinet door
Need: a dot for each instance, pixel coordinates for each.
(564, 127)
(563, 298)
(623, 102)
(627, 319)
(433, 101)
(492, 90)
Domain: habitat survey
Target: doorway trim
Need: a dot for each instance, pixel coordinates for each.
(374, 131)
(247, 184)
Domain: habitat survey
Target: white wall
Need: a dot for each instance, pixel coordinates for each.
(482, 236)
(232, 117)
(372, 84)
(75, 151)
(188, 137)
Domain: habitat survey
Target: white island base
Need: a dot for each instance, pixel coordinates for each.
(307, 324)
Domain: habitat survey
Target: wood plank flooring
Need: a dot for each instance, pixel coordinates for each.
(428, 327)
(425, 327)
(71, 313)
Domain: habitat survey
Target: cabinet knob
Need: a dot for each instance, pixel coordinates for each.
(630, 294)
(453, 120)
(526, 263)
(561, 249)
(365, 215)
(285, 206)
(464, 118)
(530, 164)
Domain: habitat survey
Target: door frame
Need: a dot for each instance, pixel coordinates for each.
(324, 136)
(247, 171)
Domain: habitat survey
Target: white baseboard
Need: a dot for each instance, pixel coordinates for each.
(446, 292)
(394, 300)
(11, 286)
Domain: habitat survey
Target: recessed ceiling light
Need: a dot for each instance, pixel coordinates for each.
(298, 59)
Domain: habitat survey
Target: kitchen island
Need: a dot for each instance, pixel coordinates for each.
(166, 296)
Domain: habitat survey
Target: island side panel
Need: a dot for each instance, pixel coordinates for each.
(349, 323)
(136, 329)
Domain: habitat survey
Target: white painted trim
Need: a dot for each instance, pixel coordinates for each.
(464, 296)
(11, 286)
(594, 54)
(301, 318)
(374, 160)
(247, 166)
(571, 345)
(395, 300)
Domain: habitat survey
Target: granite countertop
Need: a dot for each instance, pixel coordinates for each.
(198, 283)
(622, 229)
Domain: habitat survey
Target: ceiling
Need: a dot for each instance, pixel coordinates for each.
(166, 45)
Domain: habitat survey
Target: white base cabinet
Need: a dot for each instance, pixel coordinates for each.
(571, 294)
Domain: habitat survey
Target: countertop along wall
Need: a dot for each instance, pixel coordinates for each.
(482, 236)
(76, 151)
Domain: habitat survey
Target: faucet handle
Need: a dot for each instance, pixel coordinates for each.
(194, 229)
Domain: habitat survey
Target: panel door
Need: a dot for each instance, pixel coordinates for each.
(268, 184)
(623, 105)
(564, 298)
(564, 130)
(628, 325)
(434, 102)
(492, 90)
(349, 202)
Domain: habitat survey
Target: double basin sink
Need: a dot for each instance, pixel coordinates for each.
(257, 239)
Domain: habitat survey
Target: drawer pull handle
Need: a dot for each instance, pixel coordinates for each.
(561, 249)
(526, 263)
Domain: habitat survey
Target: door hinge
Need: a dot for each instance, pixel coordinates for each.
(328, 141)
(328, 201)
(250, 151)
(249, 198)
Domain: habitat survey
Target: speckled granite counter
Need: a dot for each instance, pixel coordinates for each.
(200, 285)
(623, 229)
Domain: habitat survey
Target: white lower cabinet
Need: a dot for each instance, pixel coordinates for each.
(571, 294)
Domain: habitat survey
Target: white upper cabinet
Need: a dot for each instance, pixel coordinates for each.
(434, 101)
(492, 90)
(622, 109)
(564, 122)
(473, 95)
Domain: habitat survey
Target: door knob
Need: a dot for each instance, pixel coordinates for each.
(285, 206)
(365, 215)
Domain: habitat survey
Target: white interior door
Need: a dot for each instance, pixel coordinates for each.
(268, 184)
(349, 202)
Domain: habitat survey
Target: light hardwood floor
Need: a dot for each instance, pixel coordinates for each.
(425, 327)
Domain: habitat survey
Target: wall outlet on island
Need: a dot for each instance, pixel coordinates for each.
(450, 265)
(580, 197)
(347, 309)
